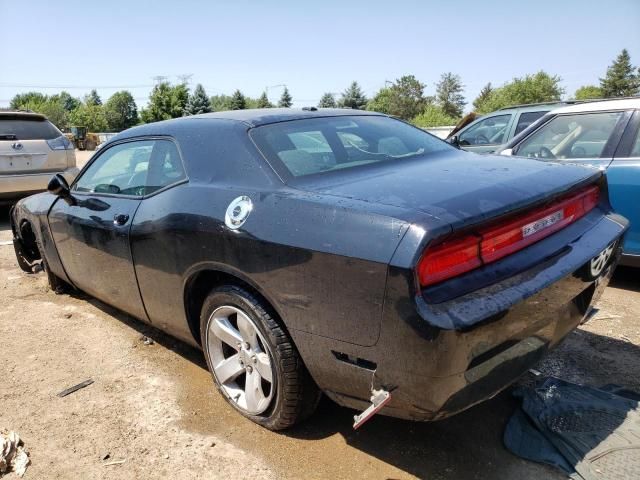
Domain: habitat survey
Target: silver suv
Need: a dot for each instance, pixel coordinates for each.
(32, 149)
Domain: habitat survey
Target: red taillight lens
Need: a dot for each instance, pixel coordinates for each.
(449, 259)
(458, 256)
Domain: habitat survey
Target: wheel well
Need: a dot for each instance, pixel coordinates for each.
(199, 286)
(29, 242)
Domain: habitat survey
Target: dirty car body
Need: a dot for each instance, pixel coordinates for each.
(379, 271)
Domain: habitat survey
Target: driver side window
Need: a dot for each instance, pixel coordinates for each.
(488, 131)
(571, 136)
(133, 169)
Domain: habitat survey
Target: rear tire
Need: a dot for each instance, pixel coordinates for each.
(286, 394)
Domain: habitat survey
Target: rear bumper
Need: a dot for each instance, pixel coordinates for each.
(442, 358)
(13, 187)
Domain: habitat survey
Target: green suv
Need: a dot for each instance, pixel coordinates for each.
(490, 132)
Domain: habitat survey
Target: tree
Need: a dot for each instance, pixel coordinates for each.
(220, 102)
(198, 102)
(536, 88)
(621, 79)
(433, 116)
(263, 101)
(449, 95)
(68, 102)
(482, 97)
(250, 102)
(285, 100)
(238, 102)
(89, 115)
(179, 99)
(51, 107)
(21, 99)
(327, 101)
(404, 98)
(93, 98)
(588, 92)
(165, 102)
(353, 97)
(120, 111)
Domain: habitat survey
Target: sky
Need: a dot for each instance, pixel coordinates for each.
(311, 46)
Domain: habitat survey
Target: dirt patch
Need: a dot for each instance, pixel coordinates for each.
(154, 405)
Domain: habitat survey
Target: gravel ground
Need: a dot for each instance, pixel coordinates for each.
(154, 405)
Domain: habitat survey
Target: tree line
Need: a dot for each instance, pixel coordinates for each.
(404, 98)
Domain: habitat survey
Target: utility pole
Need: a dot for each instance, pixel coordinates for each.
(185, 78)
(159, 78)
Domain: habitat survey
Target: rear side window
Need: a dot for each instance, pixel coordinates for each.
(133, 169)
(527, 119)
(312, 146)
(36, 129)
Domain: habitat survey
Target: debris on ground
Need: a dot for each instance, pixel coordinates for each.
(589, 433)
(146, 340)
(115, 462)
(13, 456)
(75, 388)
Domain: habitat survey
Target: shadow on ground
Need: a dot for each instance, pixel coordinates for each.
(468, 445)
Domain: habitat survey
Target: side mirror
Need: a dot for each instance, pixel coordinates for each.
(454, 141)
(58, 186)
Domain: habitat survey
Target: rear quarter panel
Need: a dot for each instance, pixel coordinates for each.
(323, 267)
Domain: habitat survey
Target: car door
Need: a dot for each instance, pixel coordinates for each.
(92, 235)
(486, 134)
(623, 177)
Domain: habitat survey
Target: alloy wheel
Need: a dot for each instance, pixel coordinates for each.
(241, 361)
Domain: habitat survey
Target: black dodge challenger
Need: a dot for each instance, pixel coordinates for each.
(334, 251)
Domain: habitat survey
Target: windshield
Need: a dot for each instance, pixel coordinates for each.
(311, 146)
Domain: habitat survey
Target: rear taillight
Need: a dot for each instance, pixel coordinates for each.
(454, 257)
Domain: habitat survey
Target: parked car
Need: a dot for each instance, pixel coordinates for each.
(330, 251)
(31, 149)
(492, 131)
(599, 134)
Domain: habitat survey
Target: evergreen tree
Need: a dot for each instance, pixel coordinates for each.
(263, 101)
(621, 79)
(449, 95)
(165, 102)
(93, 98)
(482, 97)
(198, 102)
(327, 101)
(353, 97)
(220, 102)
(238, 101)
(285, 100)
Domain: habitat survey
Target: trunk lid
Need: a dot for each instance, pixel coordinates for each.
(459, 188)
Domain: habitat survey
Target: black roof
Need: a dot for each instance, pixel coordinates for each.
(263, 116)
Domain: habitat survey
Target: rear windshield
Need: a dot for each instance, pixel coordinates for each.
(36, 129)
(312, 146)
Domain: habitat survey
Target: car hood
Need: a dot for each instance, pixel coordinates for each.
(457, 187)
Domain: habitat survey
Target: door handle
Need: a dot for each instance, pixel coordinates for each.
(120, 218)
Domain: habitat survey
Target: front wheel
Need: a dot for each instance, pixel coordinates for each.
(253, 361)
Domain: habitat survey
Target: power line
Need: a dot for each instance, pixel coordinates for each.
(15, 85)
